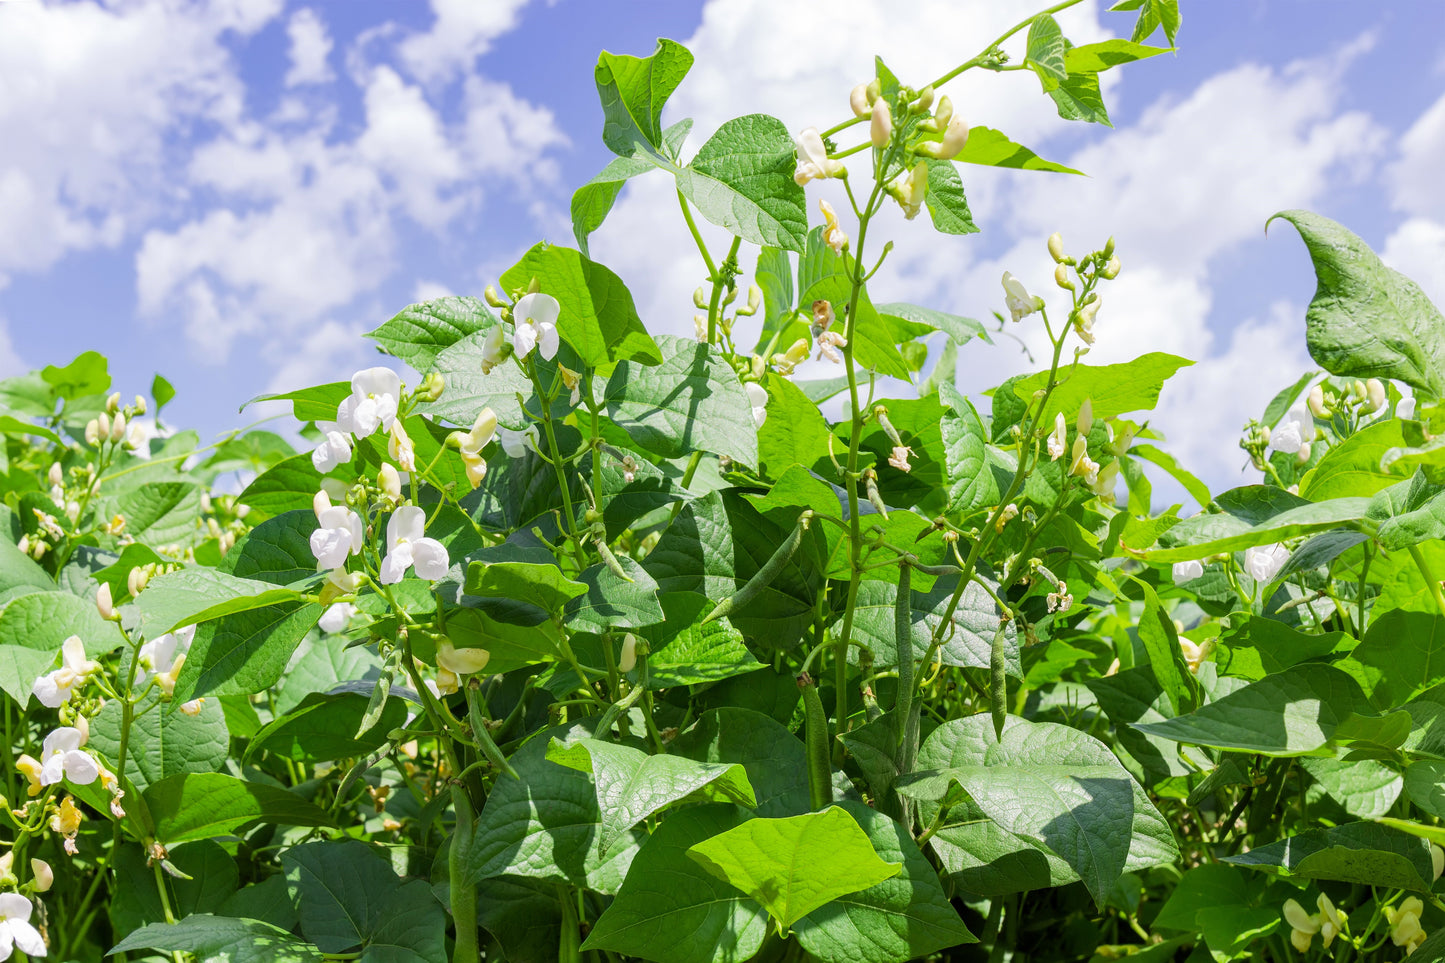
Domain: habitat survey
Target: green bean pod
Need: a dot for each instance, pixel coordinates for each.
(820, 767)
(998, 680)
(483, 735)
(765, 575)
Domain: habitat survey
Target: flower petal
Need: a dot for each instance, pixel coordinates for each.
(407, 523)
(394, 566)
(430, 559)
(541, 308)
(81, 768)
(549, 341)
(26, 936)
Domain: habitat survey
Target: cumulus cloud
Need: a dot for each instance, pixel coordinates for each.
(310, 48)
(462, 31)
(1416, 247)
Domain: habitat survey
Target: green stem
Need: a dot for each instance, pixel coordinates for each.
(697, 236)
(1430, 579)
(462, 889)
(977, 60)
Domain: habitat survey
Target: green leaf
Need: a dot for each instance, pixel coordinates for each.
(959, 329)
(825, 276)
(774, 277)
(1046, 52)
(321, 663)
(1366, 853)
(1222, 904)
(541, 585)
(511, 646)
(612, 602)
(1079, 98)
(1114, 389)
(1197, 489)
(592, 202)
(203, 805)
(742, 180)
(163, 740)
(10, 425)
(1130, 696)
(794, 433)
(1154, 14)
(324, 727)
(796, 864)
(19, 574)
(468, 390)
(200, 594)
(221, 938)
(317, 403)
(1401, 655)
(973, 483)
(990, 148)
(349, 896)
(1098, 57)
(289, 485)
(667, 910)
(1353, 467)
(773, 757)
(420, 332)
(686, 652)
(244, 652)
(545, 825)
(86, 375)
(968, 642)
(632, 785)
(135, 900)
(1290, 713)
(1367, 320)
(1408, 513)
(633, 91)
(1035, 783)
(162, 514)
(1364, 788)
(905, 917)
(947, 205)
(162, 391)
(691, 401)
(32, 629)
(277, 551)
(1203, 535)
(1166, 659)
(598, 317)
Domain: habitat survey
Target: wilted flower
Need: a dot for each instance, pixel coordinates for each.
(573, 381)
(833, 235)
(1264, 562)
(407, 545)
(1020, 303)
(1061, 601)
(813, 160)
(899, 458)
(66, 821)
(400, 447)
(335, 449)
(796, 354)
(1009, 513)
(758, 399)
(372, 403)
(1187, 571)
(53, 688)
(1083, 466)
(535, 323)
(1084, 318)
(823, 317)
(828, 344)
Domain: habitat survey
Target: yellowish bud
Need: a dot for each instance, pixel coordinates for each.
(880, 129)
(1061, 277)
(858, 100)
(1056, 246)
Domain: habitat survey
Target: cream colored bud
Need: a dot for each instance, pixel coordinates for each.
(628, 660)
(320, 503)
(389, 481)
(117, 429)
(924, 102)
(44, 875)
(140, 405)
(461, 661)
(955, 137)
(1061, 277)
(56, 475)
(755, 301)
(1111, 269)
(112, 403)
(1359, 390)
(135, 581)
(1437, 860)
(92, 432)
(874, 90)
(1085, 421)
(858, 100)
(943, 113)
(880, 129)
(1316, 402)
(1375, 392)
(103, 603)
(1303, 455)
(699, 297)
(1056, 246)
(103, 421)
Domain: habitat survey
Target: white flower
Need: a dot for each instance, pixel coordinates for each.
(339, 533)
(164, 655)
(1294, 430)
(15, 928)
(1405, 408)
(910, 189)
(407, 545)
(400, 447)
(1375, 395)
(61, 758)
(461, 661)
(758, 398)
(335, 449)
(1187, 571)
(1020, 303)
(336, 616)
(535, 323)
(833, 235)
(53, 688)
(1058, 437)
(828, 344)
(484, 429)
(372, 402)
(813, 160)
(492, 349)
(1082, 465)
(1263, 563)
(515, 443)
(1084, 317)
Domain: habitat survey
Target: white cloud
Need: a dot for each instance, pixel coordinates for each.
(463, 31)
(310, 46)
(428, 290)
(1415, 176)
(10, 361)
(330, 352)
(1417, 250)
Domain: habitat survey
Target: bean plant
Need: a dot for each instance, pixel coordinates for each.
(574, 640)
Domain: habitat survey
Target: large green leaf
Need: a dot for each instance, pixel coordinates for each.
(166, 513)
(1113, 389)
(958, 328)
(795, 432)
(221, 938)
(773, 757)
(974, 480)
(795, 864)
(742, 180)
(1366, 853)
(1204, 534)
(545, 825)
(325, 727)
(350, 897)
(203, 805)
(1364, 788)
(32, 629)
(316, 403)
(420, 332)
(824, 275)
(1408, 513)
(541, 585)
(666, 910)
(1291, 713)
(687, 652)
(633, 91)
(199, 594)
(1367, 320)
(991, 148)
(1401, 655)
(592, 202)
(1079, 98)
(598, 319)
(692, 401)
(632, 785)
(468, 390)
(968, 642)
(289, 485)
(1045, 54)
(947, 205)
(1224, 905)
(1354, 466)
(163, 740)
(244, 652)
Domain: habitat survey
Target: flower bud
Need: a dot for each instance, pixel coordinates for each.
(56, 475)
(943, 113)
(103, 603)
(117, 429)
(1375, 392)
(461, 661)
(432, 386)
(924, 103)
(1316, 402)
(135, 581)
(140, 405)
(492, 297)
(112, 403)
(880, 130)
(628, 660)
(755, 301)
(1303, 455)
(874, 91)
(954, 139)
(44, 875)
(92, 432)
(1061, 277)
(1109, 248)
(103, 426)
(1085, 421)
(858, 100)
(389, 481)
(1056, 246)
(1111, 269)
(699, 298)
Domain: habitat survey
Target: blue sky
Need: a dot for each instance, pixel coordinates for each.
(229, 192)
